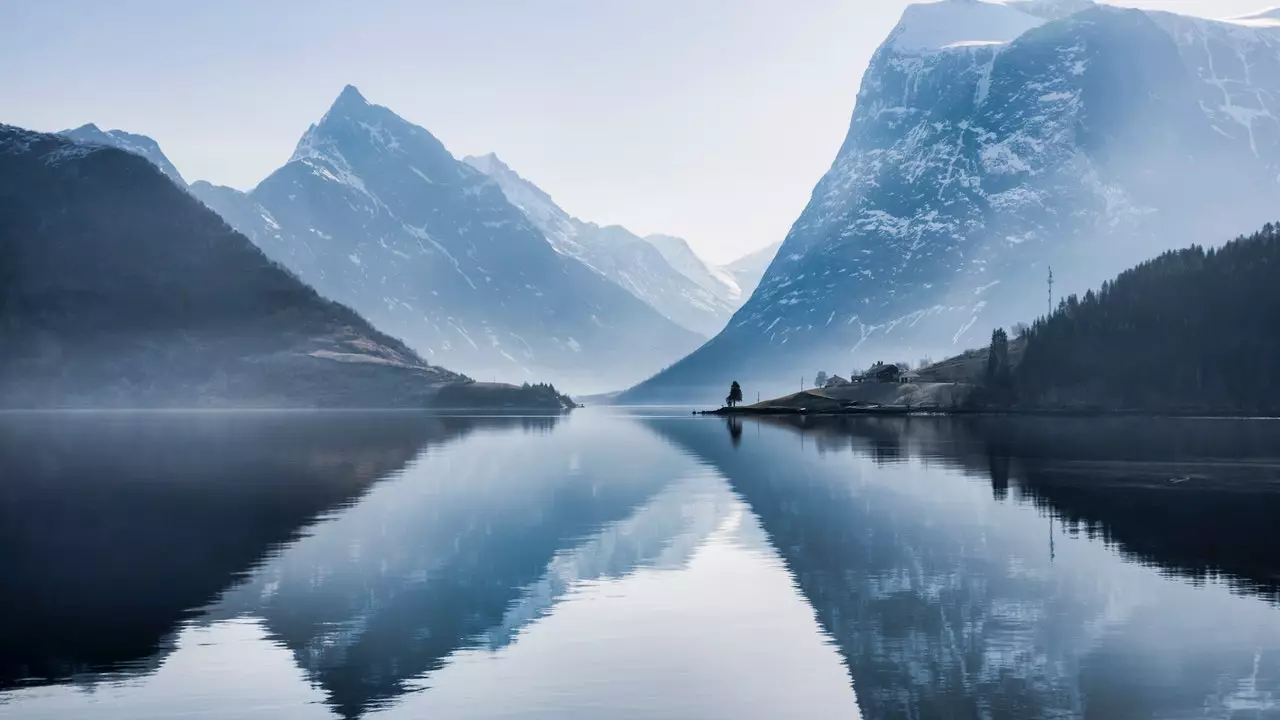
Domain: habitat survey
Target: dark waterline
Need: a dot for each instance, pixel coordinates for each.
(632, 566)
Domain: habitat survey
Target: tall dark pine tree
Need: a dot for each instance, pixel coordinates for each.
(998, 358)
(735, 394)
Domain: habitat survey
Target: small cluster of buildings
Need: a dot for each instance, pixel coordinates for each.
(881, 372)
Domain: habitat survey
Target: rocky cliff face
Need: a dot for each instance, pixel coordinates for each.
(992, 141)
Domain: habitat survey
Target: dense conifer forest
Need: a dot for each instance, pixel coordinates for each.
(1192, 329)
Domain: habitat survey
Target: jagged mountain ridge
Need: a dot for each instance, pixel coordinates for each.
(131, 142)
(122, 290)
(631, 262)
(1086, 142)
(373, 211)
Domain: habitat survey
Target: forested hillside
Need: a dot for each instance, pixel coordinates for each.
(1193, 329)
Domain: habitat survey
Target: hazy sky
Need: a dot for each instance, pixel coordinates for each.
(709, 119)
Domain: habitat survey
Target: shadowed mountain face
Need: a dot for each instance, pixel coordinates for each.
(926, 552)
(122, 290)
(115, 528)
(1087, 142)
(374, 212)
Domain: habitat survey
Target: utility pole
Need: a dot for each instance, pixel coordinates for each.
(1050, 291)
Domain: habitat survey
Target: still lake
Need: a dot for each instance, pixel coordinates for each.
(636, 565)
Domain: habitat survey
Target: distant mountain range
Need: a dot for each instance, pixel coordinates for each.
(992, 141)
(475, 267)
(122, 290)
(631, 262)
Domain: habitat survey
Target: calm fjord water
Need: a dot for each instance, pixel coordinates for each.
(294, 565)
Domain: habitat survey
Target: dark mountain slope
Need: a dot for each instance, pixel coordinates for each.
(118, 288)
(91, 134)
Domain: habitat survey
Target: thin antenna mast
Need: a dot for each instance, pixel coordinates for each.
(1050, 291)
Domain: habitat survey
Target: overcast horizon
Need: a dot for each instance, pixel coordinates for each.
(664, 117)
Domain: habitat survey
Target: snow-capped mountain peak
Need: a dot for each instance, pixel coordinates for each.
(373, 211)
(929, 27)
(532, 200)
(1079, 136)
(615, 253)
(711, 277)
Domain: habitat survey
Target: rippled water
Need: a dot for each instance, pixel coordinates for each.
(292, 565)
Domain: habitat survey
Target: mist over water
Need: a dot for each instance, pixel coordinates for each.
(403, 564)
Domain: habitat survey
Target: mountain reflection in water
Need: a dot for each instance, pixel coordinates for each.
(949, 600)
(385, 564)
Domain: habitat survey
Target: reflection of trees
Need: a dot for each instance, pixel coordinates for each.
(1196, 498)
(735, 429)
(116, 527)
(940, 614)
(1191, 496)
(465, 549)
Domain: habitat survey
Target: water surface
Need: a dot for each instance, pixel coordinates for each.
(381, 565)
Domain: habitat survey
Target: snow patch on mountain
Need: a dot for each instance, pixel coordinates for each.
(711, 277)
(933, 26)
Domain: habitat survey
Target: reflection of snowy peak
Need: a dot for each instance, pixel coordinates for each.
(614, 252)
(976, 160)
(374, 212)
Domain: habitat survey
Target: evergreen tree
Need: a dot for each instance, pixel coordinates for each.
(999, 372)
(1193, 330)
(735, 394)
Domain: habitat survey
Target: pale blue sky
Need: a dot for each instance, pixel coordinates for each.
(709, 119)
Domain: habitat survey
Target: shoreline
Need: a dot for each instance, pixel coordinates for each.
(971, 412)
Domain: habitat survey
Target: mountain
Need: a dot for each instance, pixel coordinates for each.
(615, 253)
(120, 289)
(374, 212)
(990, 142)
(715, 280)
(748, 270)
(136, 144)
(1191, 329)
